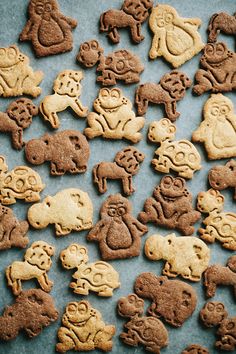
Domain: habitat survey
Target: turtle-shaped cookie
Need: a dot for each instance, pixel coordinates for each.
(180, 156)
(20, 183)
(99, 276)
(119, 65)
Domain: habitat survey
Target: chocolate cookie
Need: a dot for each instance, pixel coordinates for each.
(213, 313)
(222, 177)
(195, 349)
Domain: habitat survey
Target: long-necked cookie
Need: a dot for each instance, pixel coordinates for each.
(32, 310)
(113, 117)
(47, 28)
(169, 91)
(175, 38)
(222, 177)
(185, 256)
(180, 156)
(213, 313)
(99, 276)
(36, 264)
(171, 206)
(221, 22)
(67, 90)
(70, 209)
(83, 329)
(218, 129)
(20, 183)
(16, 76)
(67, 151)
(118, 232)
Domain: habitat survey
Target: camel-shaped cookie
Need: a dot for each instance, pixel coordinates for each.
(222, 177)
(221, 22)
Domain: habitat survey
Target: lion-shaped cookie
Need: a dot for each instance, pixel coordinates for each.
(83, 329)
(36, 264)
(67, 90)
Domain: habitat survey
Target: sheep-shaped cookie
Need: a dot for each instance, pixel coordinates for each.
(99, 276)
(180, 156)
(185, 256)
(70, 209)
(220, 226)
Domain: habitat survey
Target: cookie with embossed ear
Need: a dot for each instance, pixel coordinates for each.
(195, 349)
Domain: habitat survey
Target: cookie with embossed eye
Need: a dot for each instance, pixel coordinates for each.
(213, 313)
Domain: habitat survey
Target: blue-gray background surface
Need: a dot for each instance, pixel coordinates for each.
(13, 16)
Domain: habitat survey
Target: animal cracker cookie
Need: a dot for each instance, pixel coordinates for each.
(181, 156)
(20, 183)
(213, 313)
(16, 76)
(132, 14)
(70, 209)
(218, 129)
(36, 264)
(18, 116)
(118, 232)
(67, 90)
(175, 38)
(13, 233)
(125, 165)
(99, 276)
(32, 310)
(119, 65)
(218, 69)
(171, 206)
(169, 91)
(227, 334)
(173, 300)
(220, 225)
(67, 151)
(216, 275)
(185, 256)
(222, 177)
(47, 28)
(114, 117)
(146, 330)
(83, 329)
(221, 22)
(195, 349)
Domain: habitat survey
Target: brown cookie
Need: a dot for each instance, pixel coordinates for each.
(169, 91)
(118, 232)
(132, 14)
(47, 28)
(83, 329)
(18, 116)
(67, 151)
(213, 313)
(221, 22)
(171, 206)
(195, 349)
(13, 233)
(119, 65)
(222, 177)
(217, 274)
(148, 331)
(32, 310)
(172, 300)
(227, 333)
(125, 165)
(218, 69)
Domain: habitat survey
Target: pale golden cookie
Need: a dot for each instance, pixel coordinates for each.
(99, 276)
(175, 38)
(70, 209)
(180, 156)
(67, 90)
(16, 76)
(115, 118)
(185, 256)
(218, 128)
(36, 264)
(83, 329)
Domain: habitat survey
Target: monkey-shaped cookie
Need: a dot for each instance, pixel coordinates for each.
(171, 206)
(218, 128)
(213, 313)
(175, 38)
(115, 118)
(118, 232)
(218, 69)
(47, 28)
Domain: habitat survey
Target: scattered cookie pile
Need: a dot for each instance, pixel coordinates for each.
(118, 232)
